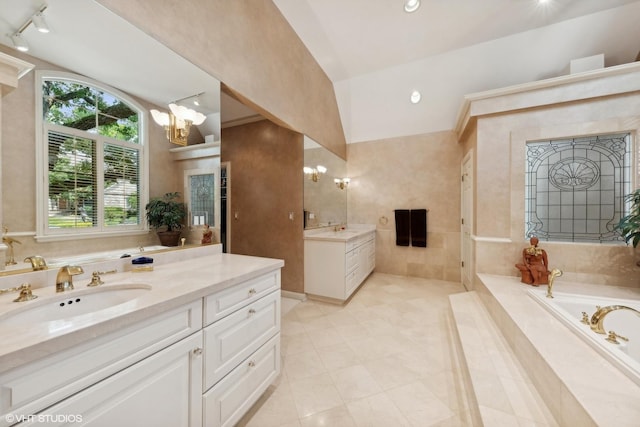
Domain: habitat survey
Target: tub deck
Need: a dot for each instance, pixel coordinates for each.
(578, 386)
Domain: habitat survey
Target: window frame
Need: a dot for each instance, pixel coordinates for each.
(43, 232)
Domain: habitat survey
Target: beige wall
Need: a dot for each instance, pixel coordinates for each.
(248, 45)
(500, 178)
(19, 175)
(413, 172)
(265, 185)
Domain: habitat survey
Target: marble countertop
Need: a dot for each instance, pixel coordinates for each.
(342, 235)
(173, 284)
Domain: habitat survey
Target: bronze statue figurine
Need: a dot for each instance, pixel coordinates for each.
(535, 265)
(207, 233)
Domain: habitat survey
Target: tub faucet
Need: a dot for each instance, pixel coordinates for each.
(597, 320)
(64, 279)
(552, 277)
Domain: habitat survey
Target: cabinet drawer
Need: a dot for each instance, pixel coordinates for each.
(352, 281)
(229, 400)
(222, 303)
(33, 387)
(230, 340)
(351, 260)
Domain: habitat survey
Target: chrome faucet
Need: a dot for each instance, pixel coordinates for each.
(552, 277)
(597, 320)
(37, 262)
(64, 279)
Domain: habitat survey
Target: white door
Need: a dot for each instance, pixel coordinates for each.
(163, 390)
(467, 220)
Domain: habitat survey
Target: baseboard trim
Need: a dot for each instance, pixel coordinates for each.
(293, 295)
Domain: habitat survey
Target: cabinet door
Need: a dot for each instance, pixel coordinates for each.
(164, 389)
(37, 385)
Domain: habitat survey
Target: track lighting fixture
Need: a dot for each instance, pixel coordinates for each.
(38, 21)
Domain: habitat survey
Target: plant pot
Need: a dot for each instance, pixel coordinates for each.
(169, 238)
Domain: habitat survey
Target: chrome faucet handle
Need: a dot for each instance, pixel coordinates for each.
(95, 277)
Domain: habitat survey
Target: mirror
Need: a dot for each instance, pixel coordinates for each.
(325, 203)
(88, 39)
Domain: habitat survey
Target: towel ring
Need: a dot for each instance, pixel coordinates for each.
(383, 220)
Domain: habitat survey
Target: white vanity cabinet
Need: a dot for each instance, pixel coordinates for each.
(241, 347)
(200, 364)
(335, 267)
(111, 377)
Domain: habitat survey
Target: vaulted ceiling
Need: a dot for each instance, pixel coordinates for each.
(377, 54)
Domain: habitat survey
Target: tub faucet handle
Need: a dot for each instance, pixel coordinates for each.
(613, 338)
(585, 318)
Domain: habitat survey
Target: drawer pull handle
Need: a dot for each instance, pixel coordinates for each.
(197, 351)
(252, 364)
(252, 292)
(251, 311)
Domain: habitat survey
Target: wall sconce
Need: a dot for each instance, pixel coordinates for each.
(178, 122)
(342, 183)
(314, 173)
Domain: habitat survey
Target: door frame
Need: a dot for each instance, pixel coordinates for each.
(466, 224)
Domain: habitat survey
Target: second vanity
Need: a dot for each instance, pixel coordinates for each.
(337, 261)
(197, 346)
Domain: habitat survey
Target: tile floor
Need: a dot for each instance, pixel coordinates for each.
(384, 359)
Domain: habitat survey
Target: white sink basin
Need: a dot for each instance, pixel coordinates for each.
(68, 306)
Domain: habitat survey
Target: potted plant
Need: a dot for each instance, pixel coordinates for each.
(629, 225)
(166, 214)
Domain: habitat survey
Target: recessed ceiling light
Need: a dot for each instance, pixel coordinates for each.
(411, 5)
(415, 97)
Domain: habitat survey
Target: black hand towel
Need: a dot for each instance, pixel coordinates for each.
(419, 228)
(403, 225)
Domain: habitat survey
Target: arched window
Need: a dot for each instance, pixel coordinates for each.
(92, 159)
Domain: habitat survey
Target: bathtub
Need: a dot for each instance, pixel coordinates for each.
(568, 309)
